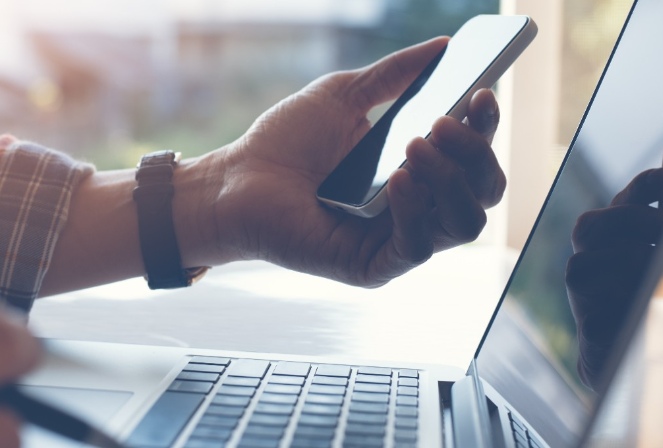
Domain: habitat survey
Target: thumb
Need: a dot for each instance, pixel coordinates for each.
(387, 78)
(19, 350)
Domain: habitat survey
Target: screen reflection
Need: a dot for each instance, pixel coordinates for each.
(578, 278)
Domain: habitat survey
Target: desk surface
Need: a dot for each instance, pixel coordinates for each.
(436, 313)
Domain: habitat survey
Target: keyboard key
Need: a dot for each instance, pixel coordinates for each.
(291, 380)
(227, 411)
(214, 360)
(193, 367)
(254, 442)
(330, 380)
(533, 442)
(165, 420)
(324, 399)
(405, 435)
(236, 390)
(307, 442)
(199, 376)
(365, 430)
(278, 398)
(333, 370)
(516, 424)
(407, 390)
(217, 421)
(373, 388)
(369, 408)
(275, 409)
(252, 368)
(206, 432)
(270, 420)
(267, 432)
(315, 432)
(241, 381)
(194, 387)
(326, 389)
(367, 419)
(413, 382)
(231, 400)
(329, 421)
(321, 409)
(398, 444)
(203, 443)
(406, 423)
(520, 439)
(374, 371)
(283, 389)
(292, 368)
(406, 411)
(375, 379)
(404, 400)
(408, 373)
(362, 441)
(370, 397)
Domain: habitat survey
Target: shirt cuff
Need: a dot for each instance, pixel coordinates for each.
(36, 187)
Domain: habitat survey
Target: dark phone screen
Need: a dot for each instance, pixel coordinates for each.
(442, 84)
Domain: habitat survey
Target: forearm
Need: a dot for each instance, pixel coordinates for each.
(99, 242)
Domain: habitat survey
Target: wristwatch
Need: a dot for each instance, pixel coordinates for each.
(158, 242)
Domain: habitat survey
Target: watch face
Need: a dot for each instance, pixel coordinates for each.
(165, 156)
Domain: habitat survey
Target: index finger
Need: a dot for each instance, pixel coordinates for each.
(644, 189)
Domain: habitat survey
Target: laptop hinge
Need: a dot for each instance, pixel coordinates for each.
(470, 419)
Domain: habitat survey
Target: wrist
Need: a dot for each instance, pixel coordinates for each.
(203, 234)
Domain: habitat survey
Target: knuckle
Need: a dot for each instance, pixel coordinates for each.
(582, 230)
(470, 229)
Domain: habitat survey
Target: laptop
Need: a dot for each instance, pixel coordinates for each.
(531, 382)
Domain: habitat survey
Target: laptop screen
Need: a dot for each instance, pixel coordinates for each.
(548, 348)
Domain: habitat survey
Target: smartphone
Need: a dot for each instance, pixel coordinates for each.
(475, 57)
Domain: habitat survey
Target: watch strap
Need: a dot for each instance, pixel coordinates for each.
(153, 196)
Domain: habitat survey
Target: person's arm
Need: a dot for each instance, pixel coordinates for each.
(255, 197)
(100, 242)
(36, 186)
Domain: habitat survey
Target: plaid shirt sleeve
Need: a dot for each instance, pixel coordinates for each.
(36, 186)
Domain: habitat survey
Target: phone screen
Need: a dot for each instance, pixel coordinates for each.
(440, 87)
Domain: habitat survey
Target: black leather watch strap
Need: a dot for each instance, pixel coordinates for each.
(158, 242)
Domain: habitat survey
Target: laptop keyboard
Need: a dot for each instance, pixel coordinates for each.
(248, 403)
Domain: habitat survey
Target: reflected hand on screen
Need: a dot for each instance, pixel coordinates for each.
(612, 249)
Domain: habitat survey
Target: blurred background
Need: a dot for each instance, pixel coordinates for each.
(108, 81)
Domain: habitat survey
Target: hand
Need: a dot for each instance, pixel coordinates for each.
(19, 353)
(613, 248)
(255, 198)
(263, 185)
